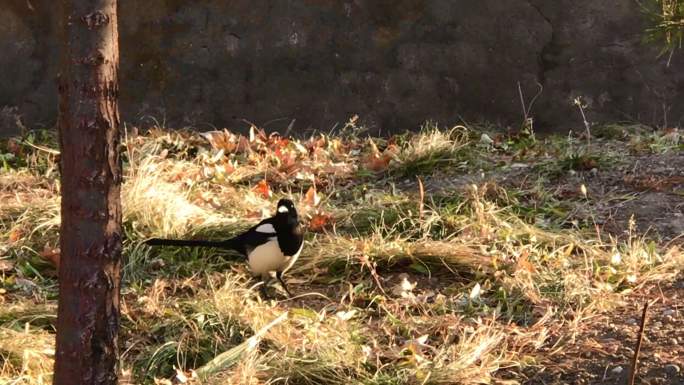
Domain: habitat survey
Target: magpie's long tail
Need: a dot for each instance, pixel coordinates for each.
(227, 244)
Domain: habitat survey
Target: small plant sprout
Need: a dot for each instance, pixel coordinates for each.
(528, 121)
(581, 106)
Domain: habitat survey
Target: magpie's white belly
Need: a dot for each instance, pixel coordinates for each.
(268, 257)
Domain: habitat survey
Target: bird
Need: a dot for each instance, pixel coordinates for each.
(274, 244)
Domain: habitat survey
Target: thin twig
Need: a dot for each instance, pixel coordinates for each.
(587, 126)
(635, 359)
(421, 202)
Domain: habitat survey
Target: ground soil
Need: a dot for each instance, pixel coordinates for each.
(649, 189)
(602, 353)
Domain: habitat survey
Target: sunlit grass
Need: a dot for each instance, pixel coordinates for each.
(395, 285)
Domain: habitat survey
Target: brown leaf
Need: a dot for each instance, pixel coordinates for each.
(286, 159)
(51, 255)
(278, 143)
(379, 161)
(311, 198)
(263, 189)
(6, 265)
(255, 215)
(221, 140)
(229, 167)
(14, 147)
(319, 221)
(242, 144)
(523, 263)
(391, 150)
(15, 235)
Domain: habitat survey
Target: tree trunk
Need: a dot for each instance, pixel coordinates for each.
(88, 315)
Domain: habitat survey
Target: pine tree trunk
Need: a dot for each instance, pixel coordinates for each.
(90, 238)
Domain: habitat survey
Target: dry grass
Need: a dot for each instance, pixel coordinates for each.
(395, 286)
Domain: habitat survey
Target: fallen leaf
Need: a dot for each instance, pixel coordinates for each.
(14, 147)
(6, 265)
(379, 161)
(263, 189)
(15, 234)
(346, 315)
(376, 163)
(311, 198)
(51, 255)
(221, 140)
(286, 159)
(319, 221)
(180, 376)
(475, 292)
(242, 144)
(523, 264)
(227, 168)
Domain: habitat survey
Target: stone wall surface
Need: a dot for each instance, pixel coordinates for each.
(395, 63)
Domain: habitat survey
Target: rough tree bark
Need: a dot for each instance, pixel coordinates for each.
(88, 315)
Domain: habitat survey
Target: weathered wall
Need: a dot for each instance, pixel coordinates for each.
(395, 63)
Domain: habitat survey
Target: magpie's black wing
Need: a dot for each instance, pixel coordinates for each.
(257, 235)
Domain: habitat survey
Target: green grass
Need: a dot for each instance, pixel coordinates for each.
(666, 23)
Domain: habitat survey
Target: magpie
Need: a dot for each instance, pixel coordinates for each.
(274, 244)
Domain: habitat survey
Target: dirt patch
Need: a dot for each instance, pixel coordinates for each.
(658, 184)
(602, 353)
(649, 188)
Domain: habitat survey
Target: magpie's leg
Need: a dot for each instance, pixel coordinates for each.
(262, 287)
(279, 275)
(262, 291)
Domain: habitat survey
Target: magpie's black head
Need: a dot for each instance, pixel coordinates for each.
(286, 209)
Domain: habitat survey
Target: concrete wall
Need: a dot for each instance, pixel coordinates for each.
(395, 63)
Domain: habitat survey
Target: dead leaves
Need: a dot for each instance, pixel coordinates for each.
(262, 189)
(320, 221)
(523, 264)
(52, 255)
(15, 235)
(227, 141)
(311, 197)
(6, 265)
(377, 160)
(285, 161)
